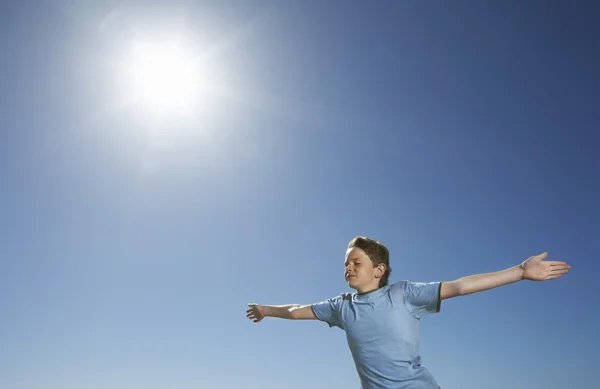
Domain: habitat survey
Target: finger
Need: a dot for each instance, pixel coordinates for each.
(542, 256)
(554, 276)
(559, 271)
(560, 268)
(557, 263)
(249, 314)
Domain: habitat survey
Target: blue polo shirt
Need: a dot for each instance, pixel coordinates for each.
(382, 330)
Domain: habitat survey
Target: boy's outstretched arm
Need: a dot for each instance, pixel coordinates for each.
(534, 269)
(293, 312)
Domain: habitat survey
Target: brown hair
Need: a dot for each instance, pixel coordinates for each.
(376, 252)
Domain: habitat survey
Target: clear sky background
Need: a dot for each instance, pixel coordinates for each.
(463, 135)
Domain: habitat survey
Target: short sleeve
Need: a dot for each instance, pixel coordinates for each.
(329, 311)
(422, 298)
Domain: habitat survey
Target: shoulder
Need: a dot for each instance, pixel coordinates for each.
(338, 300)
(343, 298)
(408, 285)
(399, 286)
(398, 290)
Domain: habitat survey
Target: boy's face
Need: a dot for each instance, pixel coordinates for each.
(360, 273)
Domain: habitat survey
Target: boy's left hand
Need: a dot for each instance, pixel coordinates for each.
(536, 269)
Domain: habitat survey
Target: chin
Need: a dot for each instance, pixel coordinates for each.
(352, 285)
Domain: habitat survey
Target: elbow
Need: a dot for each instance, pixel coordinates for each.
(292, 313)
(465, 288)
(460, 289)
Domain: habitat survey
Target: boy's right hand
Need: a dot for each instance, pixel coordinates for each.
(255, 313)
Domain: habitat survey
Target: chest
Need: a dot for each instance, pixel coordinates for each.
(380, 320)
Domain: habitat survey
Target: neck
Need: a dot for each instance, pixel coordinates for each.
(367, 289)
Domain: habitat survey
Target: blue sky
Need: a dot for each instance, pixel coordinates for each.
(462, 135)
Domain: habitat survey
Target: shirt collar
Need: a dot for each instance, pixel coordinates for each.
(369, 297)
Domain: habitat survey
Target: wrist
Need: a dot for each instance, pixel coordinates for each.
(521, 269)
(266, 310)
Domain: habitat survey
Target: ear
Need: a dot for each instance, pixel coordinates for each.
(380, 270)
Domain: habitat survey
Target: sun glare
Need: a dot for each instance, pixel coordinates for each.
(164, 77)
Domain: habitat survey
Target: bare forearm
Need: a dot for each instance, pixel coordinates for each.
(281, 311)
(481, 282)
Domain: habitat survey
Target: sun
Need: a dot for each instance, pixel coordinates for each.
(164, 77)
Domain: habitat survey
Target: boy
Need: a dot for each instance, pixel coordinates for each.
(381, 321)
